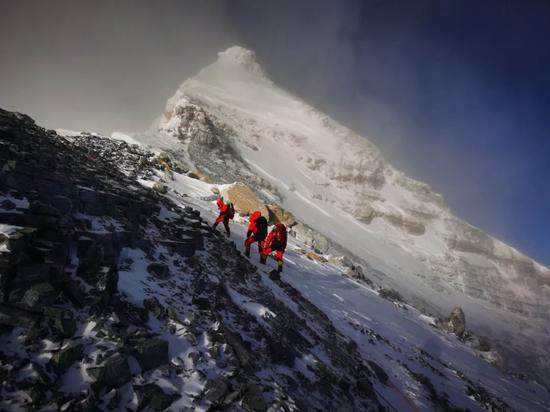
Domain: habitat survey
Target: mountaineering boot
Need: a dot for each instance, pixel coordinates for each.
(279, 266)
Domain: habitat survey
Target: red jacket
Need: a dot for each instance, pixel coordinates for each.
(252, 229)
(270, 237)
(222, 206)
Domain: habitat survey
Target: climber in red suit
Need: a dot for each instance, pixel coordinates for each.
(227, 212)
(276, 241)
(257, 232)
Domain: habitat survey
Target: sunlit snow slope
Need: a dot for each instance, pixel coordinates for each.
(231, 119)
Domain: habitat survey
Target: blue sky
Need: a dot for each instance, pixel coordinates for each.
(456, 93)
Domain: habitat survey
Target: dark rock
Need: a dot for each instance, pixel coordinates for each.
(216, 389)
(40, 295)
(391, 295)
(201, 302)
(62, 360)
(253, 398)
(113, 373)
(7, 205)
(184, 247)
(63, 203)
(364, 387)
(239, 346)
(107, 283)
(153, 305)
(44, 209)
(158, 270)
(281, 353)
(152, 397)
(13, 316)
(28, 273)
(151, 353)
(380, 373)
(477, 342)
(61, 321)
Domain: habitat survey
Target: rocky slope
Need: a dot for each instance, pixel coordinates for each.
(233, 124)
(116, 296)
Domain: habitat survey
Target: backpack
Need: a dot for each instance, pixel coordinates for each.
(230, 211)
(261, 228)
(278, 236)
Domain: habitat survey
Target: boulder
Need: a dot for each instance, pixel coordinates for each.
(160, 188)
(497, 360)
(253, 398)
(113, 373)
(40, 295)
(63, 204)
(61, 321)
(62, 360)
(216, 389)
(457, 321)
(245, 200)
(153, 305)
(390, 294)
(279, 215)
(107, 283)
(152, 398)
(151, 353)
(158, 270)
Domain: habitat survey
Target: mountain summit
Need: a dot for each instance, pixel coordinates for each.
(231, 123)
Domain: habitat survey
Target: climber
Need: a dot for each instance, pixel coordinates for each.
(257, 232)
(276, 241)
(227, 212)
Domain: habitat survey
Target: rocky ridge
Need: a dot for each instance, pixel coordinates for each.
(115, 297)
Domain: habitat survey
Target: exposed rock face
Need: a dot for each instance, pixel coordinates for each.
(455, 323)
(245, 200)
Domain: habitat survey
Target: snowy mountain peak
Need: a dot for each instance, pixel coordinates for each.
(231, 123)
(241, 56)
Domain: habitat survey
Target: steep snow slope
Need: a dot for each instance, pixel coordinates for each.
(231, 122)
(414, 354)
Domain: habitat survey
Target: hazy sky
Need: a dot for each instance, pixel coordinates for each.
(456, 93)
